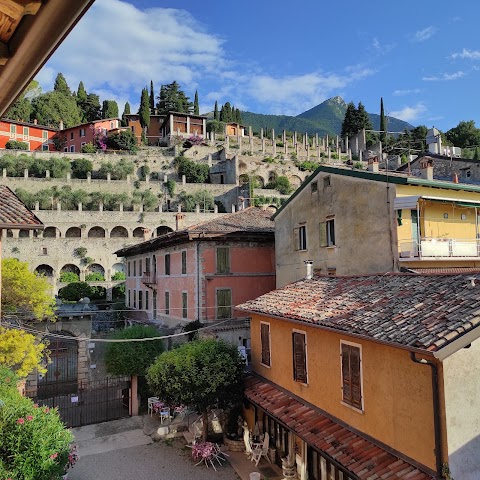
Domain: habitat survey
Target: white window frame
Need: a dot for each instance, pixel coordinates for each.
(359, 346)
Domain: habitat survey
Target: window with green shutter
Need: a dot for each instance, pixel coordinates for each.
(167, 264)
(299, 341)
(351, 375)
(224, 303)
(140, 299)
(223, 260)
(265, 343)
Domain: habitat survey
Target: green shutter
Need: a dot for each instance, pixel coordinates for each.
(323, 234)
(223, 260)
(224, 303)
(299, 358)
(265, 343)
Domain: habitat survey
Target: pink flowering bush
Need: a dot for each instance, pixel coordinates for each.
(34, 443)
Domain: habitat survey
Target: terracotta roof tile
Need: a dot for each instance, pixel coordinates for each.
(14, 214)
(357, 454)
(420, 311)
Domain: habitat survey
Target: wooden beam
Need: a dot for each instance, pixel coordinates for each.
(4, 53)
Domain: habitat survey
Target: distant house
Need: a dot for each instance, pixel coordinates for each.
(200, 272)
(235, 129)
(153, 131)
(183, 124)
(78, 136)
(369, 377)
(37, 137)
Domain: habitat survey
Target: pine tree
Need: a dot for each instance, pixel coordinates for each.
(92, 108)
(152, 99)
(362, 120)
(126, 111)
(144, 109)
(216, 114)
(81, 93)
(173, 99)
(238, 116)
(109, 109)
(61, 85)
(349, 122)
(383, 123)
(196, 107)
(226, 113)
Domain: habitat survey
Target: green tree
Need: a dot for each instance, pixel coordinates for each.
(349, 122)
(144, 110)
(61, 85)
(215, 126)
(173, 99)
(465, 134)
(226, 113)
(20, 110)
(109, 109)
(238, 116)
(216, 114)
(68, 277)
(16, 145)
(202, 198)
(119, 276)
(196, 106)
(53, 107)
(126, 111)
(383, 123)
(133, 358)
(203, 374)
(124, 140)
(362, 119)
(80, 167)
(152, 99)
(91, 108)
(94, 277)
(23, 292)
(194, 172)
(81, 93)
(75, 291)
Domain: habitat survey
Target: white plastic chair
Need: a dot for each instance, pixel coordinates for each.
(151, 401)
(164, 414)
(262, 451)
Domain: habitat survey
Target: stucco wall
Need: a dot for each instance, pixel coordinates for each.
(462, 411)
(365, 232)
(397, 393)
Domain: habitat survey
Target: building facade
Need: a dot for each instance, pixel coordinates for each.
(153, 131)
(369, 376)
(78, 136)
(184, 125)
(37, 137)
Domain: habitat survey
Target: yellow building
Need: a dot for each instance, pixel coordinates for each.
(350, 222)
(369, 377)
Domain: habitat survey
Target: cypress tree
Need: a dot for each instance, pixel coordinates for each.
(196, 107)
(126, 111)
(152, 99)
(383, 123)
(362, 119)
(216, 114)
(144, 109)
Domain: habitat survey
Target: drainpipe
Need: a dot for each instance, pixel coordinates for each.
(436, 411)
(199, 295)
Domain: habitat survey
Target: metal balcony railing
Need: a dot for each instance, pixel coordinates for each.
(440, 248)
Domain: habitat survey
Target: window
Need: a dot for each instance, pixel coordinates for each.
(128, 268)
(72, 148)
(469, 173)
(326, 181)
(300, 238)
(223, 260)
(224, 303)
(45, 147)
(134, 299)
(146, 299)
(44, 135)
(154, 261)
(351, 374)
(83, 144)
(147, 266)
(314, 187)
(327, 233)
(140, 272)
(25, 131)
(44, 251)
(140, 299)
(134, 268)
(82, 132)
(167, 303)
(112, 125)
(184, 262)
(184, 304)
(167, 264)
(129, 298)
(265, 343)
(13, 130)
(71, 135)
(299, 356)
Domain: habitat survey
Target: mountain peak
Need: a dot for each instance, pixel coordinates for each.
(336, 99)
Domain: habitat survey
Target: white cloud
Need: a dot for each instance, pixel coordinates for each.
(445, 77)
(381, 48)
(425, 34)
(466, 53)
(408, 91)
(408, 113)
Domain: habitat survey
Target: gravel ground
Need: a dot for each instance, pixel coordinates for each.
(170, 460)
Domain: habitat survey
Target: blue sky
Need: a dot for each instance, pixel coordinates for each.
(423, 58)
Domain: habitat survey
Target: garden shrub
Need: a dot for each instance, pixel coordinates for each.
(16, 145)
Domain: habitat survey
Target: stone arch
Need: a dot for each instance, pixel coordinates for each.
(118, 267)
(119, 232)
(271, 208)
(70, 267)
(260, 181)
(138, 232)
(162, 230)
(73, 232)
(95, 268)
(295, 181)
(9, 233)
(272, 176)
(51, 232)
(24, 234)
(243, 179)
(45, 270)
(96, 232)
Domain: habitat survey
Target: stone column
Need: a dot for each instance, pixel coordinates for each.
(120, 207)
(47, 173)
(80, 206)
(274, 144)
(25, 173)
(69, 177)
(184, 180)
(251, 142)
(147, 178)
(89, 177)
(227, 144)
(109, 177)
(188, 124)
(239, 139)
(294, 140)
(100, 207)
(197, 208)
(59, 206)
(349, 152)
(316, 140)
(263, 145)
(336, 143)
(37, 206)
(308, 147)
(215, 208)
(261, 134)
(4, 173)
(109, 294)
(346, 144)
(210, 161)
(233, 206)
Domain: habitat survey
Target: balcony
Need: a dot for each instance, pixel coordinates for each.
(149, 279)
(439, 248)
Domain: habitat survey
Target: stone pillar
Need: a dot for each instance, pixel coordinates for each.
(165, 178)
(210, 162)
(349, 153)
(336, 143)
(120, 207)
(327, 145)
(109, 177)
(233, 206)
(100, 207)
(79, 206)
(346, 143)
(4, 173)
(47, 173)
(109, 294)
(197, 208)
(188, 124)
(184, 180)
(69, 177)
(147, 178)
(261, 134)
(37, 206)
(294, 140)
(179, 208)
(59, 206)
(251, 142)
(308, 147)
(89, 177)
(329, 154)
(274, 144)
(360, 156)
(227, 144)
(263, 146)
(25, 173)
(140, 208)
(316, 140)
(215, 208)
(250, 131)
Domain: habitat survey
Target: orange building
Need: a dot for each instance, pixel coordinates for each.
(200, 272)
(369, 377)
(183, 124)
(235, 129)
(37, 137)
(153, 130)
(78, 136)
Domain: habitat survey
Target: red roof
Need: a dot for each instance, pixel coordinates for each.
(14, 214)
(357, 454)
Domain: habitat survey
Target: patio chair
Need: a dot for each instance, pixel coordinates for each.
(259, 452)
(150, 402)
(164, 414)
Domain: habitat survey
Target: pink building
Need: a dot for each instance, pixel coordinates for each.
(202, 271)
(78, 136)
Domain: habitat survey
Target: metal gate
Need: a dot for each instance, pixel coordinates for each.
(89, 401)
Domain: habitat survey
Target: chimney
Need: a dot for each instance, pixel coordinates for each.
(60, 126)
(373, 164)
(455, 177)
(179, 217)
(35, 121)
(471, 282)
(427, 169)
(309, 265)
